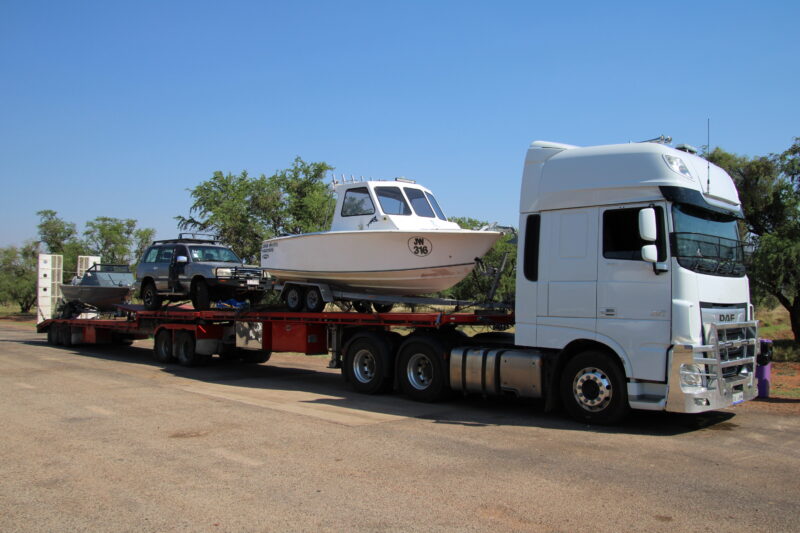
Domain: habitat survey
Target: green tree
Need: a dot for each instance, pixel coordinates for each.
(769, 188)
(111, 238)
(243, 211)
(54, 232)
(18, 275)
(477, 285)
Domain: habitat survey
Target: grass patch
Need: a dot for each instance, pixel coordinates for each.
(11, 312)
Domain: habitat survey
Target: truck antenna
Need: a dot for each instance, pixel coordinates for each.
(708, 163)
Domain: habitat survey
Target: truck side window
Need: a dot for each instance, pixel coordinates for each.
(621, 234)
(357, 202)
(531, 266)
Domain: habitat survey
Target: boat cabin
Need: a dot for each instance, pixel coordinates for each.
(387, 205)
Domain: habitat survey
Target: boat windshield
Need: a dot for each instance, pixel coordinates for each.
(707, 242)
(392, 201)
(435, 205)
(207, 254)
(420, 204)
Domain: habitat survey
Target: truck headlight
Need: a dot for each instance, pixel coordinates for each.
(224, 272)
(691, 376)
(677, 165)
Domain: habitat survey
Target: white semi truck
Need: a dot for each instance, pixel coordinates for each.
(630, 293)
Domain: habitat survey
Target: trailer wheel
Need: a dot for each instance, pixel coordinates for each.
(294, 298)
(201, 299)
(383, 308)
(185, 350)
(368, 363)
(362, 306)
(162, 346)
(150, 297)
(423, 375)
(52, 335)
(255, 357)
(593, 388)
(314, 301)
(65, 335)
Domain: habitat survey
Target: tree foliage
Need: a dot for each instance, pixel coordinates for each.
(111, 238)
(478, 284)
(18, 275)
(243, 211)
(769, 188)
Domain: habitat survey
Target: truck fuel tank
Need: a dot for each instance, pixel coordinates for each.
(495, 371)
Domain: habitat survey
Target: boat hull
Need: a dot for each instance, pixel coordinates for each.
(382, 262)
(103, 298)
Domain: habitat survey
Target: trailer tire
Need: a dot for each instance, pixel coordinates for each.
(313, 300)
(162, 347)
(593, 388)
(52, 335)
(254, 357)
(294, 298)
(150, 297)
(201, 298)
(368, 363)
(185, 350)
(65, 335)
(422, 372)
(362, 306)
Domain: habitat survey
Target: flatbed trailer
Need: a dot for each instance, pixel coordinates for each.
(374, 356)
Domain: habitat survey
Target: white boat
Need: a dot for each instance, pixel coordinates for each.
(387, 237)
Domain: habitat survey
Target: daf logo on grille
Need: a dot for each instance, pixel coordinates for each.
(729, 317)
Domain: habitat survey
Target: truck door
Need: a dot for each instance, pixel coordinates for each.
(633, 302)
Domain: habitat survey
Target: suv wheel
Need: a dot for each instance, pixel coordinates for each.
(201, 300)
(150, 297)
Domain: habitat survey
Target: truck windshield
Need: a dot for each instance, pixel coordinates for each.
(201, 254)
(707, 242)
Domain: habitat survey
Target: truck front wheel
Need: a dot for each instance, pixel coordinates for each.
(593, 388)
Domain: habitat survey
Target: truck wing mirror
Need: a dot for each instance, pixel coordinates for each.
(649, 253)
(647, 224)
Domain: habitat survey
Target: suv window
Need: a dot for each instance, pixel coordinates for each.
(213, 253)
(165, 254)
(150, 256)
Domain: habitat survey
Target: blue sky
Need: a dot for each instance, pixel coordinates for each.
(117, 108)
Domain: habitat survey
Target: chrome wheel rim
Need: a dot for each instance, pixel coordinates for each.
(592, 389)
(293, 298)
(419, 371)
(364, 366)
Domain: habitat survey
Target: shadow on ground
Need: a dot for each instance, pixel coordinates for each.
(466, 411)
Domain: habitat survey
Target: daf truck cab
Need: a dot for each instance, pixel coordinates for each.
(631, 277)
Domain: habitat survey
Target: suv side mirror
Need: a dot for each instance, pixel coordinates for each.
(181, 259)
(647, 224)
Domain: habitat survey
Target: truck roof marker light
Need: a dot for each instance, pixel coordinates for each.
(677, 165)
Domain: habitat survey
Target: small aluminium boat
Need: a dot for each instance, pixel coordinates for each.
(101, 287)
(387, 237)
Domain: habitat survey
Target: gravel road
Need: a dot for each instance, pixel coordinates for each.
(104, 439)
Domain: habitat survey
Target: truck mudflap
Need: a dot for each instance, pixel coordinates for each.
(715, 375)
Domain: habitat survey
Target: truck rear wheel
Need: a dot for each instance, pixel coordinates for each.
(593, 388)
(52, 335)
(422, 371)
(368, 363)
(162, 346)
(65, 335)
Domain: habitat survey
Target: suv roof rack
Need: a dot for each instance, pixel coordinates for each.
(182, 237)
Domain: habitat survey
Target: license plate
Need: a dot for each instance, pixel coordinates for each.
(252, 282)
(738, 397)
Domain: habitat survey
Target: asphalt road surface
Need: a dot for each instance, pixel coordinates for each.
(100, 438)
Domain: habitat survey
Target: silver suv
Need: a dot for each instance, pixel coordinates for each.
(201, 270)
